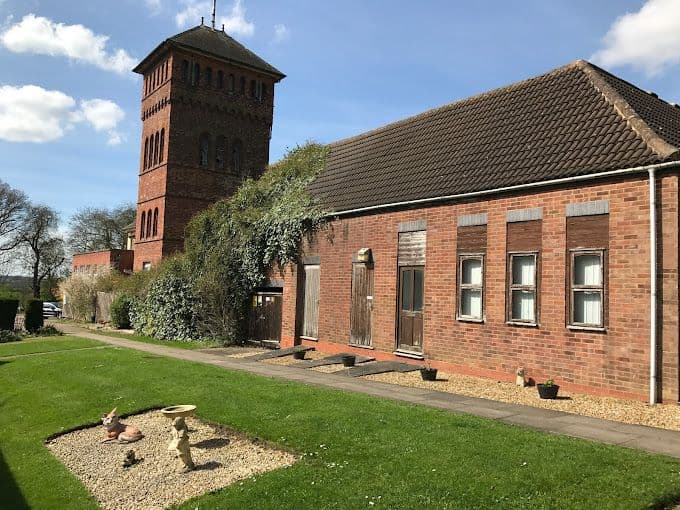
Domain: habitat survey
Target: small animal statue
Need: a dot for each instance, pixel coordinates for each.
(117, 430)
(130, 459)
(179, 444)
(519, 380)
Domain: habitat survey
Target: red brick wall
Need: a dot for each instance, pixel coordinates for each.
(615, 362)
(180, 187)
(118, 259)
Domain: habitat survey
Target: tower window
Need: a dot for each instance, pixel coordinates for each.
(253, 88)
(242, 90)
(142, 225)
(205, 150)
(220, 149)
(156, 147)
(263, 91)
(148, 223)
(196, 78)
(236, 155)
(150, 159)
(146, 153)
(232, 83)
(220, 80)
(162, 148)
(185, 71)
(208, 77)
(155, 222)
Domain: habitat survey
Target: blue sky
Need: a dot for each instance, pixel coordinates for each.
(72, 139)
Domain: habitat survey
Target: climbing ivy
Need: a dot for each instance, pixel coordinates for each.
(233, 246)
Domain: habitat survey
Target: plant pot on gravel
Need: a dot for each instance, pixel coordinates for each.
(428, 374)
(299, 355)
(349, 360)
(548, 390)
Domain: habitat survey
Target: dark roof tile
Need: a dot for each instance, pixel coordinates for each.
(575, 120)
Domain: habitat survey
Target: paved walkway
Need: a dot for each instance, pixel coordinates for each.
(653, 440)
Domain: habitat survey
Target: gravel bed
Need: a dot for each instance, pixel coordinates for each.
(222, 457)
(247, 351)
(666, 416)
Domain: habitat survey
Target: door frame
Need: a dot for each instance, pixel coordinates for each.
(397, 349)
(368, 267)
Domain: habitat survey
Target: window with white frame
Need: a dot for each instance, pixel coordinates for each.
(471, 287)
(522, 287)
(587, 288)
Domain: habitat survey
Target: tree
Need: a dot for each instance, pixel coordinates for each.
(43, 250)
(13, 206)
(97, 228)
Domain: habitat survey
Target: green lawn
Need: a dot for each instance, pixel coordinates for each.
(55, 343)
(396, 455)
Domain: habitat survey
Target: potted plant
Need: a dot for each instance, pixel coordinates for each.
(427, 372)
(548, 389)
(299, 354)
(348, 360)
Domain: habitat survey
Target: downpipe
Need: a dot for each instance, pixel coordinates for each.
(653, 340)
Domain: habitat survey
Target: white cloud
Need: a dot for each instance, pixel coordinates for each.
(104, 115)
(281, 33)
(235, 22)
(153, 5)
(42, 36)
(647, 40)
(33, 114)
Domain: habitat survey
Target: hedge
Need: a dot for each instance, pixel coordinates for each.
(8, 313)
(34, 315)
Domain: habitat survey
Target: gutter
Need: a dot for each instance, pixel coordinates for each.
(506, 189)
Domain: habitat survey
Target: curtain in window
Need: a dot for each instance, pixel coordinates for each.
(523, 269)
(523, 305)
(587, 270)
(588, 302)
(471, 293)
(588, 307)
(471, 303)
(472, 272)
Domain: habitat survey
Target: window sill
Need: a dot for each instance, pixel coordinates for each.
(357, 346)
(522, 324)
(409, 354)
(595, 329)
(310, 338)
(471, 319)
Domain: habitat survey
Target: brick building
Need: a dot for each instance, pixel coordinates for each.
(207, 109)
(532, 226)
(118, 260)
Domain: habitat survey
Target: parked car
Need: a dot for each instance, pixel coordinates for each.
(51, 310)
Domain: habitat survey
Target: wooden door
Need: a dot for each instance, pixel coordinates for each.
(411, 298)
(310, 302)
(265, 316)
(362, 304)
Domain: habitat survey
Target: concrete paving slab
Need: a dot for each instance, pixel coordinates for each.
(278, 353)
(380, 368)
(329, 360)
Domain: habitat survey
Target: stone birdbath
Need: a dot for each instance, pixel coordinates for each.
(179, 434)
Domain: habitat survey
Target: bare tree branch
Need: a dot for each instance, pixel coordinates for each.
(93, 229)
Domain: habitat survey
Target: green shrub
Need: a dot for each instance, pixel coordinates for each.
(8, 336)
(8, 313)
(48, 330)
(168, 311)
(34, 315)
(120, 312)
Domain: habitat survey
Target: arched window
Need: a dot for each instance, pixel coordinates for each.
(208, 77)
(220, 151)
(162, 150)
(146, 153)
(155, 77)
(142, 225)
(155, 222)
(149, 162)
(185, 71)
(243, 85)
(196, 78)
(204, 150)
(236, 150)
(253, 88)
(156, 147)
(166, 69)
(220, 80)
(232, 83)
(148, 223)
(263, 91)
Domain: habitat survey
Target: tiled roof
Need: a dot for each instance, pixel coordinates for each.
(218, 44)
(575, 120)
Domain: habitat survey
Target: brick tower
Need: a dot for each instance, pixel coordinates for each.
(207, 109)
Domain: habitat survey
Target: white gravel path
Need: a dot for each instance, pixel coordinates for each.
(222, 457)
